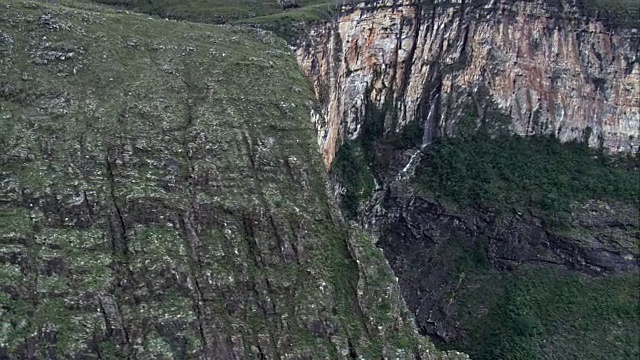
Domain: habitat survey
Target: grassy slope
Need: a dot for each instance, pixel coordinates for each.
(266, 14)
(140, 157)
(290, 24)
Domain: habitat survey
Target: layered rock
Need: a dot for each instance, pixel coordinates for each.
(551, 69)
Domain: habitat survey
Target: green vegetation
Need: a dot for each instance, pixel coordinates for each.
(623, 13)
(291, 24)
(266, 14)
(534, 312)
(535, 172)
(543, 313)
(356, 158)
(351, 166)
(409, 137)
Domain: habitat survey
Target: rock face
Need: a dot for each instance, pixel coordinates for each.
(549, 67)
(161, 197)
(422, 239)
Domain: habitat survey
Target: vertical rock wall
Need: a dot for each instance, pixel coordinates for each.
(551, 69)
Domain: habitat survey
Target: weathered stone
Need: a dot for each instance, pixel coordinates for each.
(550, 69)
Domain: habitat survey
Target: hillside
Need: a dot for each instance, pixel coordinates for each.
(161, 196)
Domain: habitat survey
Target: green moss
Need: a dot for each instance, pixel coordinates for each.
(14, 222)
(156, 346)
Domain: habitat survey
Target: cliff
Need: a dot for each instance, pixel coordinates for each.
(161, 197)
(547, 65)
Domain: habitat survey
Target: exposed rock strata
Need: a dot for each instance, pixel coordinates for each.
(551, 69)
(544, 64)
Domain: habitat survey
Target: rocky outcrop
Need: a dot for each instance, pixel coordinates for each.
(545, 64)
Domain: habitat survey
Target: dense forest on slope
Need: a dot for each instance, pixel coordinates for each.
(506, 247)
(532, 306)
(527, 173)
(543, 313)
(551, 207)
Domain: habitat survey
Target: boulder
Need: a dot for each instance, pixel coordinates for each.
(288, 4)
